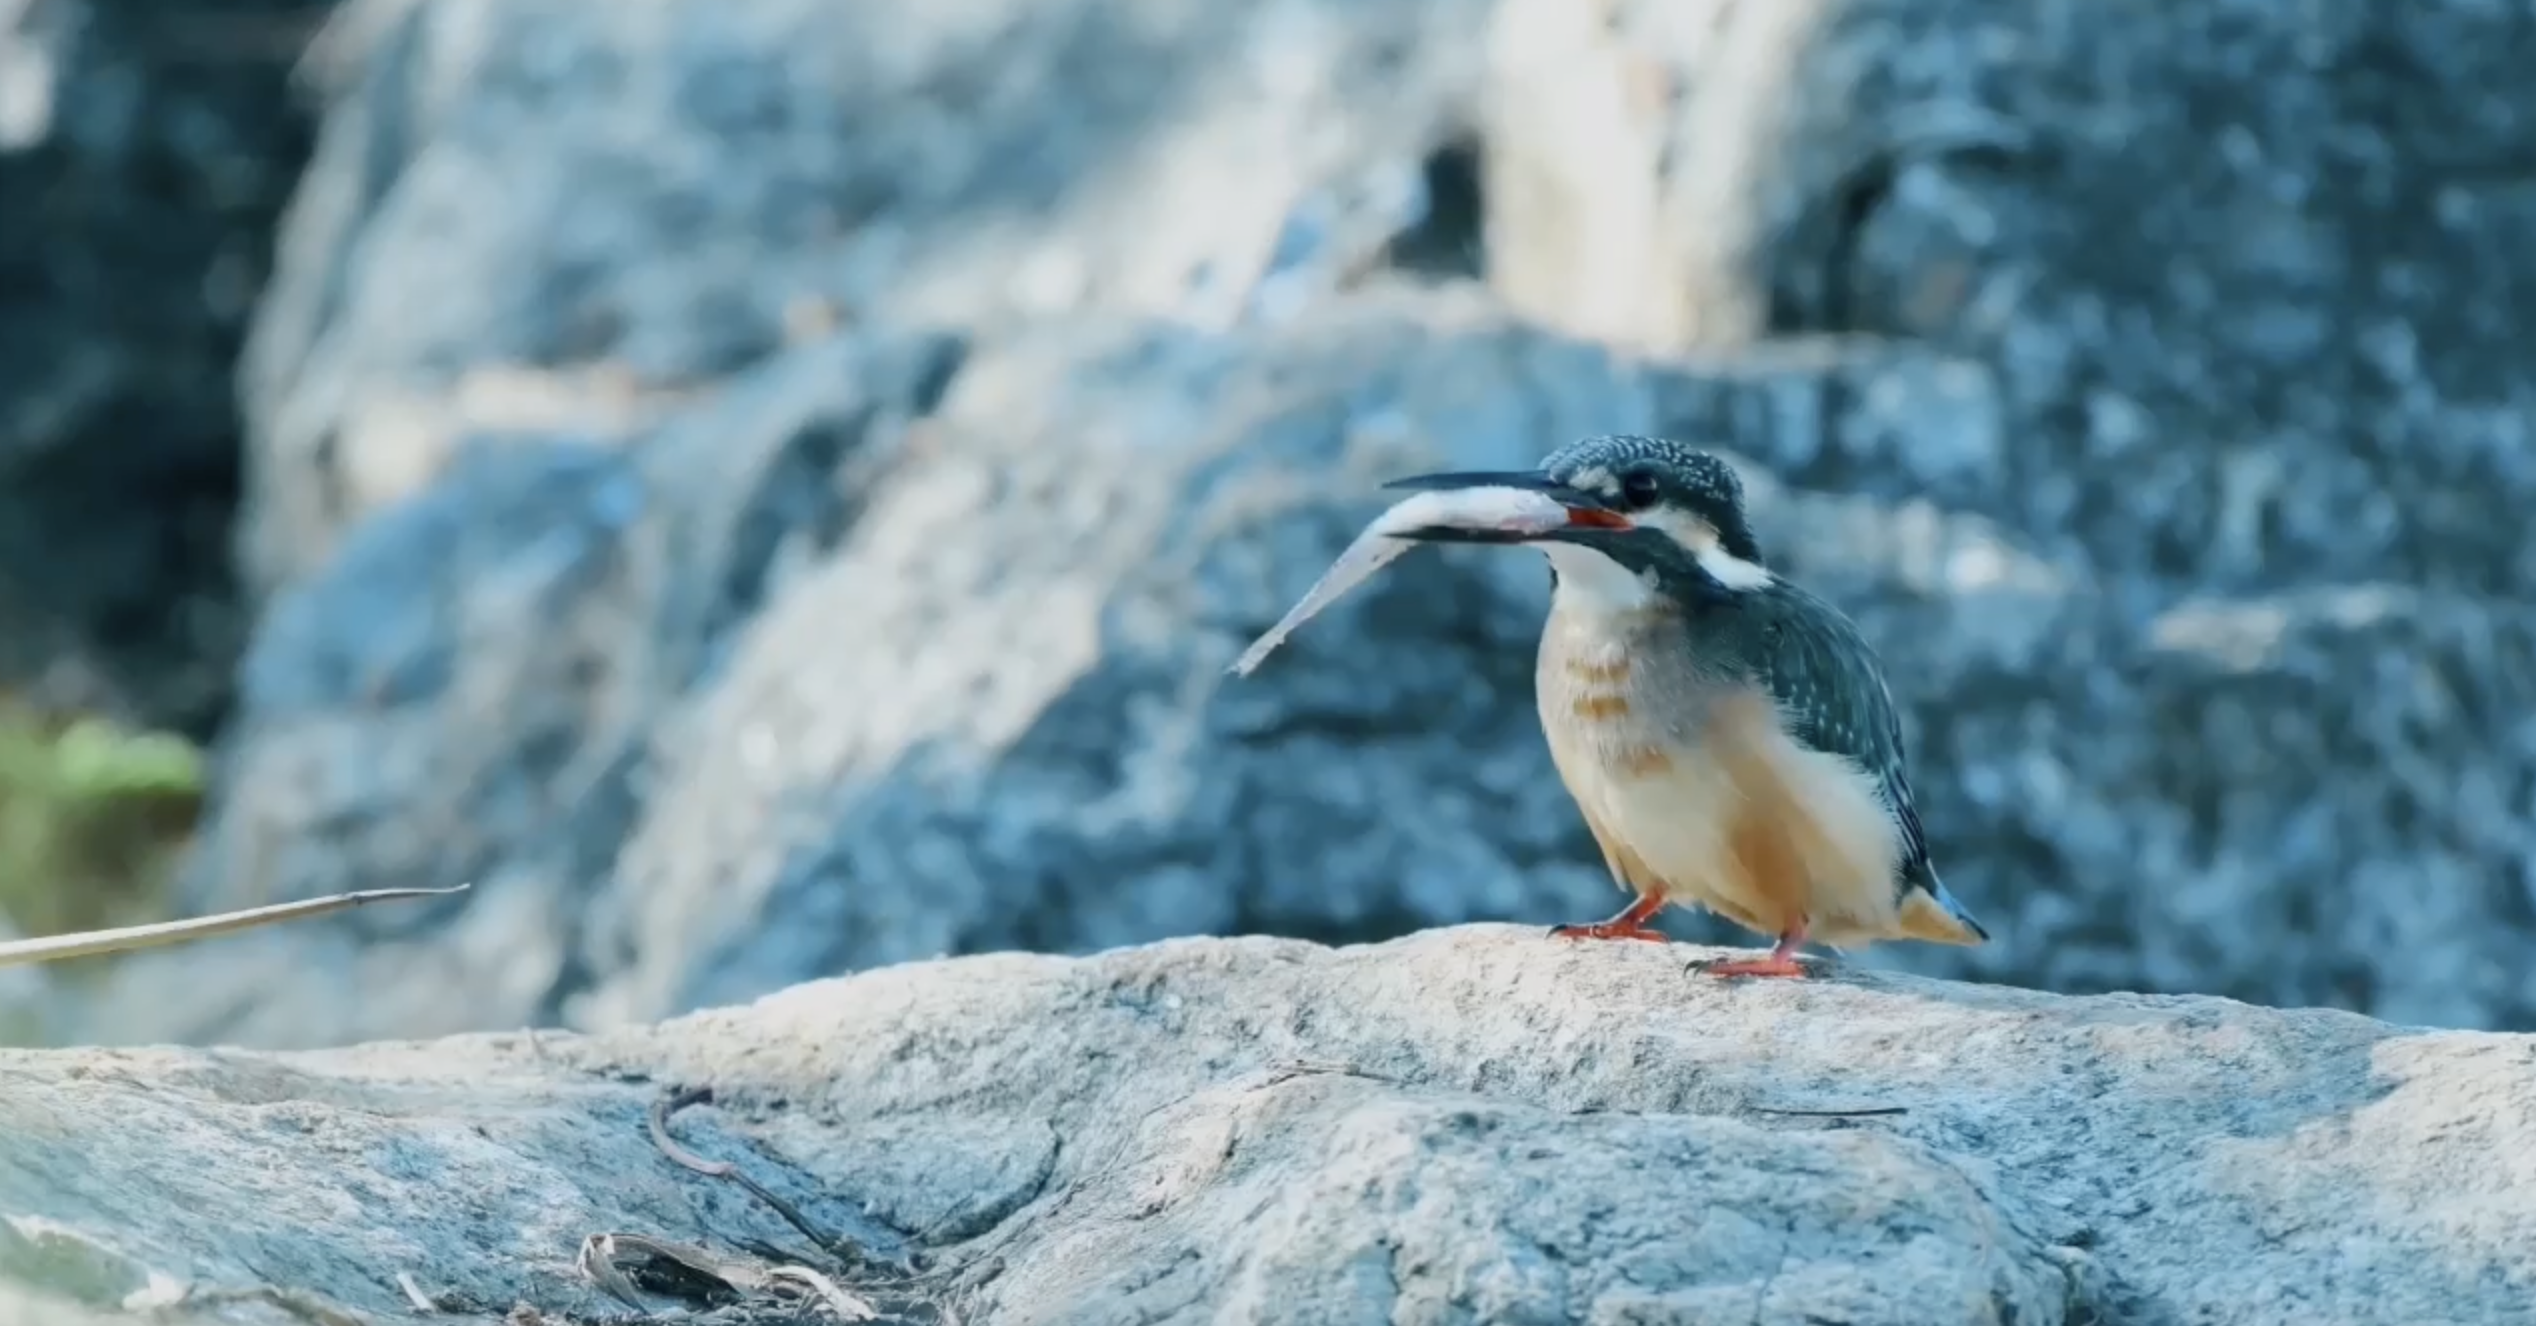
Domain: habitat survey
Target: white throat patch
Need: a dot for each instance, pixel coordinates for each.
(1597, 583)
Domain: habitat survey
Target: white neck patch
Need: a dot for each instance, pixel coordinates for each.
(1731, 571)
(1699, 538)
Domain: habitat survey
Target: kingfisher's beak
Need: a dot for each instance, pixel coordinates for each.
(1585, 511)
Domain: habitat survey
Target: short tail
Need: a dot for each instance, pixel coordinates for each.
(1930, 913)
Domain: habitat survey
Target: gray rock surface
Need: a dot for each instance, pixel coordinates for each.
(809, 164)
(864, 660)
(1476, 1124)
(830, 672)
(764, 497)
(2245, 271)
(146, 150)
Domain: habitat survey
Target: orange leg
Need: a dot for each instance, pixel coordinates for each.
(1781, 962)
(1631, 923)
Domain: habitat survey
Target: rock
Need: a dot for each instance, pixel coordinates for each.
(2240, 270)
(763, 498)
(810, 165)
(1474, 1124)
(630, 691)
(145, 151)
(1046, 560)
(2236, 274)
(1049, 590)
(593, 585)
(21, 1307)
(2291, 798)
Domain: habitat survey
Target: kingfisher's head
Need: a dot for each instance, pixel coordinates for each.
(1646, 517)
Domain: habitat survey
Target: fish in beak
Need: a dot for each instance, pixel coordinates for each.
(1583, 510)
(1510, 507)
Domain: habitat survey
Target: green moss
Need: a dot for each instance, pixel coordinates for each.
(93, 818)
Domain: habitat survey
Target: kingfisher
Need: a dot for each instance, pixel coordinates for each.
(1727, 735)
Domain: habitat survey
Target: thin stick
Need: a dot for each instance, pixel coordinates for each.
(657, 1120)
(92, 943)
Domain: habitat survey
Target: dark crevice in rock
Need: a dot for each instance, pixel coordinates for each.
(1823, 294)
(125, 569)
(1450, 241)
(150, 180)
(945, 357)
(1851, 207)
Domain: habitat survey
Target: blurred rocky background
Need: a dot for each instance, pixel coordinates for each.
(767, 488)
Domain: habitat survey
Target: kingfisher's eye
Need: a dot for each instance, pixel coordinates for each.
(1638, 489)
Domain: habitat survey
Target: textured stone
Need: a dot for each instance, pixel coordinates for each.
(1476, 1124)
(868, 659)
(862, 660)
(753, 549)
(808, 164)
(2244, 270)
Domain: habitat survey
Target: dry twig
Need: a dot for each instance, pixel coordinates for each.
(658, 1119)
(94, 943)
(297, 1303)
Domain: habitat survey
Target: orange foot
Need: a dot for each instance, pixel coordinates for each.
(1631, 923)
(1781, 962)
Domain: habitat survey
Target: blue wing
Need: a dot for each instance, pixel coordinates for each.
(1813, 661)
